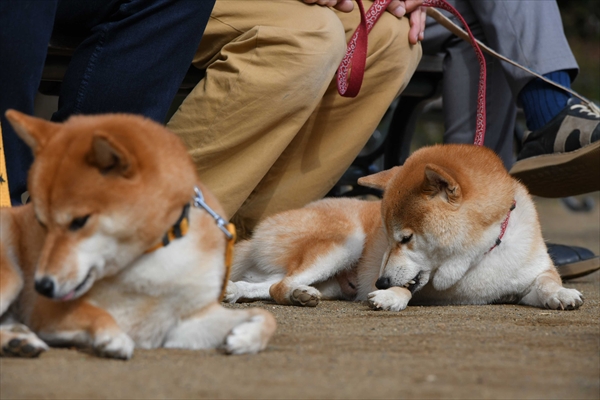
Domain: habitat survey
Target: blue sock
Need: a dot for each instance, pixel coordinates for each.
(541, 101)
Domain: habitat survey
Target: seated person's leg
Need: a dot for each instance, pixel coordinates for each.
(536, 39)
(268, 64)
(338, 129)
(459, 95)
(24, 34)
(461, 82)
(134, 57)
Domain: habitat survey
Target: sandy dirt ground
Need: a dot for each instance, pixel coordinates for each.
(345, 350)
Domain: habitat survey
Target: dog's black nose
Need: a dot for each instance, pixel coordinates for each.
(45, 287)
(383, 283)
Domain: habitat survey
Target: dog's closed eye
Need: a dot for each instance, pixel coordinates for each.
(406, 239)
(78, 223)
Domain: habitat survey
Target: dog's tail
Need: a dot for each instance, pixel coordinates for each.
(242, 260)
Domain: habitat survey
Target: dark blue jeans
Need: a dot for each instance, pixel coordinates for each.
(133, 59)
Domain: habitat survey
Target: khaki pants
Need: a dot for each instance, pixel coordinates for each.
(266, 127)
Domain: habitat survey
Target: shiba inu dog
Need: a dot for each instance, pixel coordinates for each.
(452, 228)
(112, 252)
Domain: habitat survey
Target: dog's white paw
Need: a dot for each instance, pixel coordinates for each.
(388, 300)
(248, 337)
(305, 296)
(18, 341)
(232, 293)
(107, 344)
(564, 299)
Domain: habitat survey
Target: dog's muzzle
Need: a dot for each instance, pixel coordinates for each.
(45, 287)
(385, 282)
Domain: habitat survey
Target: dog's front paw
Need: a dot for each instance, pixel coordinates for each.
(251, 336)
(305, 296)
(564, 299)
(111, 345)
(393, 299)
(232, 293)
(18, 341)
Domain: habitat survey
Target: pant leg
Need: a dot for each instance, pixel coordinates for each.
(268, 64)
(328, 142)
(529, 32)
(460, 87)
(459, 96)
(134, 56)
(25, 29)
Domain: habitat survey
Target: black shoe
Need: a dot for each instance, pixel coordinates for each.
(562, 158)
(572, 261)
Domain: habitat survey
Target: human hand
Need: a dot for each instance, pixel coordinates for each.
(417, 18)
(399, 8)
(340, 5)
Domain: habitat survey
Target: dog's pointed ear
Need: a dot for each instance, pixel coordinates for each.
(35, 132)
(380, 179)
(439, 182)
(109, 156)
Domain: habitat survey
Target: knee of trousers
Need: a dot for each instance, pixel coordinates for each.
(317, 39)
(391, 56)
(302, 56)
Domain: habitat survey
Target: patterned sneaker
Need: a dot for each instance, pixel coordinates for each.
(562, 158)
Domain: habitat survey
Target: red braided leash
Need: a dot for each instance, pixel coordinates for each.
(356, 57)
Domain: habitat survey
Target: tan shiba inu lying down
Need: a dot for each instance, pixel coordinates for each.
(115, 248)
(453, 228)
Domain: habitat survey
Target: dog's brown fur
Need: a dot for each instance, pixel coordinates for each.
(433, 235)
(104, 190)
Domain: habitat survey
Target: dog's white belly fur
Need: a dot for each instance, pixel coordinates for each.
(150, 297)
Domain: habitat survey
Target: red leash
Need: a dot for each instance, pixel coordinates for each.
(356, 57)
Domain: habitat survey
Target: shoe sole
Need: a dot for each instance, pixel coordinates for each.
(561, 174)
(579, 269)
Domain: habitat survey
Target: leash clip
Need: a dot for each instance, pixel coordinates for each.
(221, 223)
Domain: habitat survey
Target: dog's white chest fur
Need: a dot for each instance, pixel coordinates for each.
(152, 295)
(504, 273)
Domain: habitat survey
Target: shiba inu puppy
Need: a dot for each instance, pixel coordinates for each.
(112, 252)
(452, 228)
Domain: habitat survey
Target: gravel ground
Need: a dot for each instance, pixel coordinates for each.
(345, 350)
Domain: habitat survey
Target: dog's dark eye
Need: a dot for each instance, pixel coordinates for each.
(406, 239)
(78, 223)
